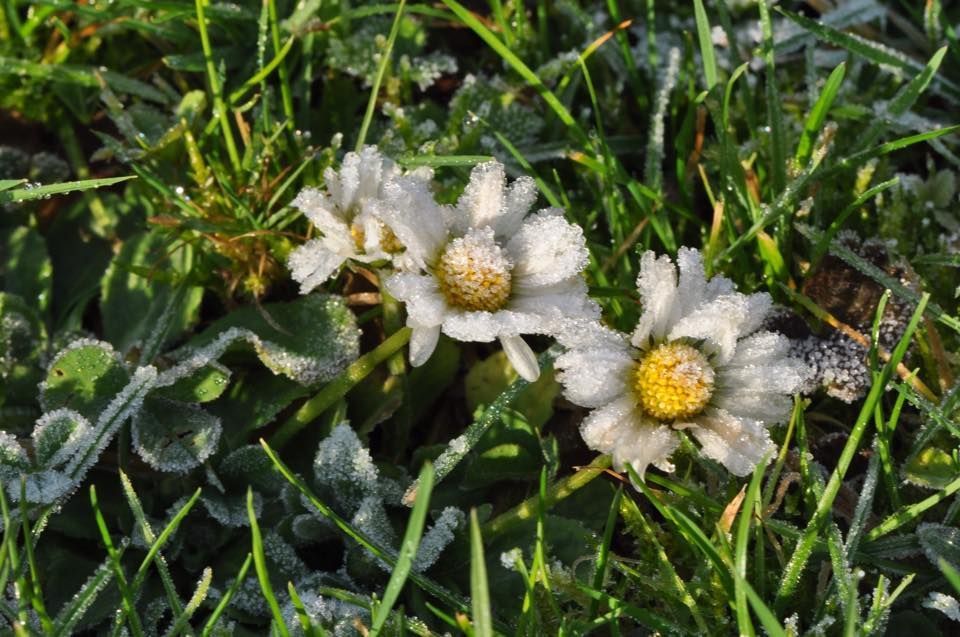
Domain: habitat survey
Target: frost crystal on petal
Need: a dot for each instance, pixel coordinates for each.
(697, 363)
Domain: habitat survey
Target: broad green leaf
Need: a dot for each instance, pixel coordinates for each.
(173, 436)
(58, 436)
(310, 340)
(932, 467)
(940, 542)
(204, 385)
(138, 308)
(84, 377)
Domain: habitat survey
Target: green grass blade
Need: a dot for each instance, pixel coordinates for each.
(378, 78)
(213, 78)
(260, 564)
(818, 114)
(707, 52)
(199, 594)
(479, 587)
(793, 570)
(458, 448)
(72, 612)
(309, 629)
(211, 622)
(40, 192)
(690, 531)
(778, 144)
(408, 550)
(128, 602)
(603, 552)
(469, 19)
(881, 55)
(741, 552)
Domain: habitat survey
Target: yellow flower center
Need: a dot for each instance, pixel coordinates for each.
(473, 273)
(673, 381)
(389, 242)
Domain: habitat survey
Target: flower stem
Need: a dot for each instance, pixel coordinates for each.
(527, 509)
(335, 389)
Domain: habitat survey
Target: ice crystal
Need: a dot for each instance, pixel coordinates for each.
(946, 604)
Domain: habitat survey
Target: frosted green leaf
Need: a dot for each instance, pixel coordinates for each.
(344, 469)
(250, 465)
(84, 377)
(205, 384)
(174, 436)
(13, 458)
(139, 297)
(310, 340)
(58, 436)
(230, 509)
(940, 542)
(437, 538)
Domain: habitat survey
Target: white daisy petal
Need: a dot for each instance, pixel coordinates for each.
(518, 199)
(594, 376)
(546, 250)
(718, 323)
(559, 303)
(482, 327)
(483, 198)
(322, 211)
(657, 285)
(760, 348)
(521, 357)
(423, 341)
(425, 304)
(767, 407)
(650, 444)
(312, 264)
(692, 284)
(739, 444)
(603, 428)
(409, 210)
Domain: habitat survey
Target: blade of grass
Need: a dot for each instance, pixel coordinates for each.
(408, 550)
(747, 510)
(129, 609)
(211, 622)
(41, 192)
(182, 621)
(260, 565)
(378, 78)
(338, 387)
(603, 552)
(778, 145)
(213, 78)
(818, 114)
(794, 568)
(479, 588)
(469, 19)
(707, 53)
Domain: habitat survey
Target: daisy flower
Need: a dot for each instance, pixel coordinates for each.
(347, 216)
(697, 362)
(485, 269)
